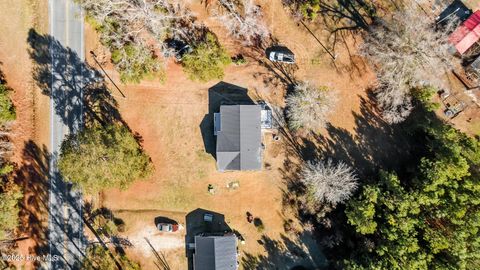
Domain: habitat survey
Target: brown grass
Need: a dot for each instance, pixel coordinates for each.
(168, 118)
(30, 130)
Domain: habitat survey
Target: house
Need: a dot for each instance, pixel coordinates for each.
(215, 253)
(454, 11)
(467, 34)
(238, 131)
(469, 75)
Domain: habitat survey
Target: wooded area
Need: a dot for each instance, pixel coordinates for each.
(10, 193)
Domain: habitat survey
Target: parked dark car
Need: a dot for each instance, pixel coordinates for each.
(179, 48)
(167, 227)
(281, 54)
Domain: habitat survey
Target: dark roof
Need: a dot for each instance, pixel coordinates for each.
(456, 9)
(215, 253)
(239, 138)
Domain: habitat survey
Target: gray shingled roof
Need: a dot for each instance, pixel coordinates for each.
(215, 253)
(239, 140)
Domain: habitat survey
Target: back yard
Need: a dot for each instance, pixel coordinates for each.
(170, 118)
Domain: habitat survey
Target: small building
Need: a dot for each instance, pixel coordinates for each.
(238, 131)
(467, 34)
(215, 253)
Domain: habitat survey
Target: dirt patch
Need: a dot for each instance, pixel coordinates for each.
(141, 232)
(159, 241)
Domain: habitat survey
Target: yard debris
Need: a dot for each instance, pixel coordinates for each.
(249, 217)
(211, 189)
(233, 185)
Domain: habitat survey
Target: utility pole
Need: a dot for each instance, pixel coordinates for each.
(104, 72)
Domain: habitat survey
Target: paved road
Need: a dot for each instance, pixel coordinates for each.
(66, 238)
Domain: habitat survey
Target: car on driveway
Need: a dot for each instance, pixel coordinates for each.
(281, 54)
(167, 227)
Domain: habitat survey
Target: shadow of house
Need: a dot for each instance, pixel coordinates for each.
(222, 93)
(197, 224)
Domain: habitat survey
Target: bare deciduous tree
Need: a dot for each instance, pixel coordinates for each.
(308, 107)
(243, 20)
(327, 182)
(156, 17)
(135, 29)
(407, 52)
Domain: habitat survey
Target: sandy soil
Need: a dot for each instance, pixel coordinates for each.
(20, 17)
(140, 228)
(30, 130)
(159, 241)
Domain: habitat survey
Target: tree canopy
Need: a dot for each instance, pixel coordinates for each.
(136, 62)
(135, 32)
(10, 194)
(243, 20)
(99, 258)
(7, 110)
(408, 52)
(328, 182)
(429, 220)
(103, 157)
(207, 60)
(309, 106)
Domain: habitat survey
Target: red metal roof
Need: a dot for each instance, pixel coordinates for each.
(466, 34)
(473, 20)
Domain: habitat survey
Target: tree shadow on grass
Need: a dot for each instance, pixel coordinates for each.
(291, 251)
(339, 15)
(80, 91)
(371, 146)
(80, 98)
(105, 227)
(32, 177)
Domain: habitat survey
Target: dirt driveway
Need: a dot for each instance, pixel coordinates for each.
(147, 241)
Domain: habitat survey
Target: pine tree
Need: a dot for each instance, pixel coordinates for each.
(99, 158)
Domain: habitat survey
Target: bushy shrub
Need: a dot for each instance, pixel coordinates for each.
(99, 158)
(7, 110)
(207, 61)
